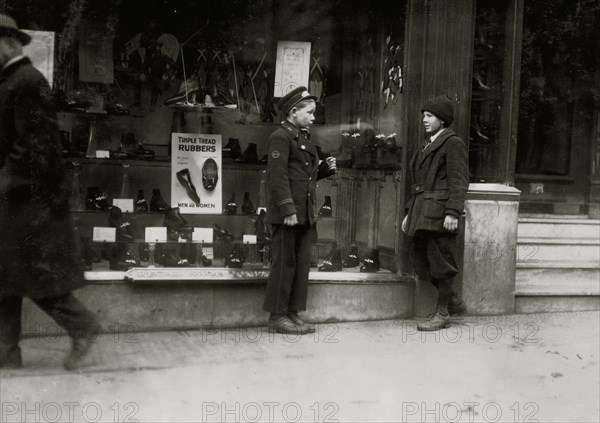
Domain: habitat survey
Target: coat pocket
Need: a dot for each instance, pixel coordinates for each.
(434, 204)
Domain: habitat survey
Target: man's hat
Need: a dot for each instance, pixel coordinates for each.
(441, 107)
(294, 97)
(8, 27)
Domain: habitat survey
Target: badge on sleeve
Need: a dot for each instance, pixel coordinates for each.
(275, 154)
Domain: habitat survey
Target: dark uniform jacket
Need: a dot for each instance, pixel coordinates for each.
(292, 174)
(440, 180)
(38, 253)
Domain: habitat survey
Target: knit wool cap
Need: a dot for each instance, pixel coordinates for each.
(292, 98)
(8, 27)
(440, 107)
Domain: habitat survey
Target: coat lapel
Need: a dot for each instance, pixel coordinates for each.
(439, 141)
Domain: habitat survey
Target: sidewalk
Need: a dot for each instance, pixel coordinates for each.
(517, 368)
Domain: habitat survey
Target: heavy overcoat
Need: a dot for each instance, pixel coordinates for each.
(39, 255)
(443, 165)
(292, 173)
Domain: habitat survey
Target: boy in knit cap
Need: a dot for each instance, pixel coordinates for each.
(439, 174)
(292, 173)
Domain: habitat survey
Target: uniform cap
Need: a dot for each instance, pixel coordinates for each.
(294, 97)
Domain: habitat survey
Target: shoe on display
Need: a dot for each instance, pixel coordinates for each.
(132, 149)
(140, 202)
(333, 263)
(177, 226)
(95, 200)
(117, 110)
(371, 262)
(235, 258)
(184, 178)
(157, 204)
(124, 232)
(210, 174)
(231, 207)
(250, 156)
(345, 155)
(439, 320)
(352, 259)
(326, 210)
(232, 150)
(247, 206)
(388, 153)
(167, 257)
(222, 233)
(265, 160)
(364, 149)
(122, 259)
(262, 230)
(206, 262)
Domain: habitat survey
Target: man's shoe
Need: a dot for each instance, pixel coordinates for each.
(283, 324)
(456, 305)
(140, 203)
(210, 174)
(232, 150)
(157, 204)
(11, 359)
(81, 346)
(231, 207)
(438, 321)
(333, 263)
(352, 260)
(326, 210)
(371, 262)
(294, 317)
(177, 226)
(247, 206)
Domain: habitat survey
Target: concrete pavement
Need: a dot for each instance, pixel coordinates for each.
(516, 368)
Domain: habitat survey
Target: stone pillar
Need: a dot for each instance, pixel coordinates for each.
(489, 259)
(347, 181)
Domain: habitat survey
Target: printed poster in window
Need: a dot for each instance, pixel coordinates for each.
(292, 67)
(41, 52)
(196, 181)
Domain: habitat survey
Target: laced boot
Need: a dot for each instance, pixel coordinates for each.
(371, 262)
(122, 260)
(326, 210)
(95, 200)
(250, 156)
(185, 179)
(236, 258)
(352, 259)
(157, 204)
(231, 207)
(294, 317)
(333, 263)
(124, 232)
(176, 225)
(232, 150)
(439, 320)
(140, 203)
(247, 206)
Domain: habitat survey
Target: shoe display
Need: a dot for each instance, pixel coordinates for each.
(80, 347)
(345, 156)
(371, 262)
(235, 259)
(184, 178)
(326, 210)
(247, 206)
(122, 259)
(352, 259)
(117, 110)
(157, 204)
(439, 320)
(95, 200)
(140, 202)
(283, 324)
(176, 225)
(124, 232)
(231, 207)
(250, 156)
(232, 150)
(210, 174)
(333, 263)
(221, 233)
(294, 317)
(186, 95)
(130, 148)
(166, 256)
(387, 152)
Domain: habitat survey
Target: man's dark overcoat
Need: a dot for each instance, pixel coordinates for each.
(39, 255)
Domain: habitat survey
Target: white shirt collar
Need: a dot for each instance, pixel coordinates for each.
(437, 134)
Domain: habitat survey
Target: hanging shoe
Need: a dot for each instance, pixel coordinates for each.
(140, 203)
(439, 320)
(95, 200)
(371, 262)
(176, 225)
(250, 155)
(326, 210)
(352, 258)
(157, 204)
(185, 179)
(210, 174)
(247, 206)
(231, 207)
(232, 150)
(333, 263)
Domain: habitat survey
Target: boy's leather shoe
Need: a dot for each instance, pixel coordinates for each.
(283, 324)
(294, 317)
(437, 321)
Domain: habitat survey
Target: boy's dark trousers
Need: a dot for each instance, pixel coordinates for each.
(287, 287)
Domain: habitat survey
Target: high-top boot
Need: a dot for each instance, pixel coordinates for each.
(185, 179)
(326, 210)
(345, 155)
(176, 225)
(124, 232)
(352, 259)
(262, 234)
(166, 255)
(231, 207)
(157, 204)
(210, 174)
(236, 258)
(95, 200)
(232, 150)
(247, 206)
(364, 150)
(140, 203)
(249, 156)
(371, 262)
(130, 148)
(333, 263)
(388, 153)
(222, 234)
(122, 259)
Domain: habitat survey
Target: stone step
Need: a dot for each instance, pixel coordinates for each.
(540, 227)
(557, 281)
(534, 250)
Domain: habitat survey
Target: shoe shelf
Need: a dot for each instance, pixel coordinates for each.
(159, 162)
